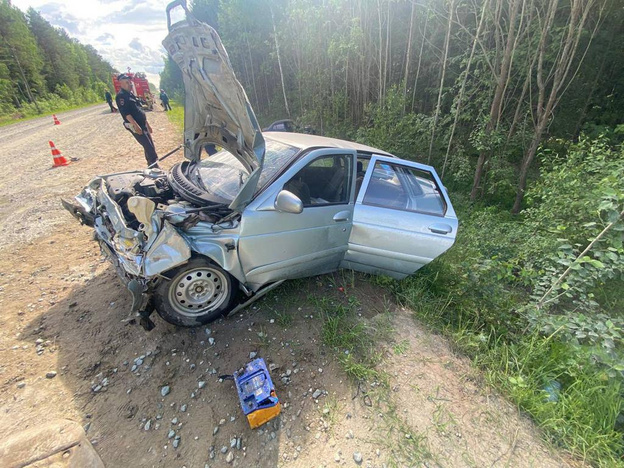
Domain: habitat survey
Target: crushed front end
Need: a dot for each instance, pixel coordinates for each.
(136, 217)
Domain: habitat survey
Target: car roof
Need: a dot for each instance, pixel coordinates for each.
(304, 141)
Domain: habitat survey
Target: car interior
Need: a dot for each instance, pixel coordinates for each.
(324, 181)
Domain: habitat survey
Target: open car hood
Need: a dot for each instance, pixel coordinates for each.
(216, 109)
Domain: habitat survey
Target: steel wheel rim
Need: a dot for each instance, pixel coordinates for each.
(198, 291)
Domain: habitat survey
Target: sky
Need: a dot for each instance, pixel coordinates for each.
(127, 33)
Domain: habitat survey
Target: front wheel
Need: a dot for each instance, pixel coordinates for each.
(199, 292)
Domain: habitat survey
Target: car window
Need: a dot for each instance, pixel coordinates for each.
(404, 188)
(223, 174)
(324, 181)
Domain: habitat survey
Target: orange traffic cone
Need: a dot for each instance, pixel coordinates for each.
(59, 159)
(56, 120)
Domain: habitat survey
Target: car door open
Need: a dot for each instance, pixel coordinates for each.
(402, 219)
(276, 245)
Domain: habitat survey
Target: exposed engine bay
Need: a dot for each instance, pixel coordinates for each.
(184, 203)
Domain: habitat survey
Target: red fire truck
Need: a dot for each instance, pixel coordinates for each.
(140, 88)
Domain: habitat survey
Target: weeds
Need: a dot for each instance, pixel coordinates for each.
(476, 294)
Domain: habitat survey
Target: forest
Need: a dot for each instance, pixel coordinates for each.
(519, 105)
(42, 69)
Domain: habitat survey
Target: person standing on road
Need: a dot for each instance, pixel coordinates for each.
(109, 100)
(165, 100)
(134, 118)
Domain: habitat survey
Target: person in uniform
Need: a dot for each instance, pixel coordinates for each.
(134, 118)
(165, 100)
(109, 100)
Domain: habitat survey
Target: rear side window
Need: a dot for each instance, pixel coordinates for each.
(404, 188)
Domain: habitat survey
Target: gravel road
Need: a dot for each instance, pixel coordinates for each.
(30, 187)
(68, 351)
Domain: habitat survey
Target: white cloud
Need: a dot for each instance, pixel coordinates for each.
(126, 33)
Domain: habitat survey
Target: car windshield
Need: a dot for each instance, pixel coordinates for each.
(222, 174)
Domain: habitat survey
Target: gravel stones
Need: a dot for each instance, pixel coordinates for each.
(201, 384)
(171, 434)
(165, 390)
(357, 457)
(50, 375)
(230, 457)
(317, 393)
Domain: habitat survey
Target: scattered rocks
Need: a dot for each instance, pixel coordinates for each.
(176, 441)
(357, 457)
(215, 430)
(148, 425)
(208, 331)
(233, 442)
(230, 457)
(50, 375)
(171, 434)
(224, 449)
(183, 408)
(252, 355)
(21, 384)
(174, 421)
(201, 384)
(165, 390)
(317, 393)
(211, 341)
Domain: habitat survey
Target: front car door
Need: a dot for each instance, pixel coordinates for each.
(275, 245)
(402, 219)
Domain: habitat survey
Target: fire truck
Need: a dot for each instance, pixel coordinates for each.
(140, 88)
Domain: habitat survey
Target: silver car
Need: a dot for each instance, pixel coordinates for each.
(218, 231)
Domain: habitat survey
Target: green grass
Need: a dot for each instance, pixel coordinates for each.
(470, 298)
(10, 120)
(176, 115)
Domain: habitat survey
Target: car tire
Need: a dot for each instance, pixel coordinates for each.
(197, 293)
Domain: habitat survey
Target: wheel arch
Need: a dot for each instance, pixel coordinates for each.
(228, 260)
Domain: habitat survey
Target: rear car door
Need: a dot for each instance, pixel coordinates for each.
(276, 245)
(402, 219)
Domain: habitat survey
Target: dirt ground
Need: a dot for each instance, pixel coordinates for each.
(63, 310)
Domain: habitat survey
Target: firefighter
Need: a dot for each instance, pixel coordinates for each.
(134, 118)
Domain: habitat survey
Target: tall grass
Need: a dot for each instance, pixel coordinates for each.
(464, 295)
(176, 114)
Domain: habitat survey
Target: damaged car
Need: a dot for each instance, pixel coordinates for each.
(218, 231)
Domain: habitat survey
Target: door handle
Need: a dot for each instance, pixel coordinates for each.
(440, 228)
(342, 216)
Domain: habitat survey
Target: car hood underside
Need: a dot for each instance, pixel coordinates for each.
(216, 109)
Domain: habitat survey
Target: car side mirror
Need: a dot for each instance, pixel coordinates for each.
(288, 202)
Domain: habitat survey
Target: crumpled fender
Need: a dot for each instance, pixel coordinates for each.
(168, 251)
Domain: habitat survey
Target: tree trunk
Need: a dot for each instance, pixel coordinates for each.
(442, 75)
(420, 54)
(460, 97)
(279, 62)
(495, 106)
(407, 56)
(253, 75)
(565, 57)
